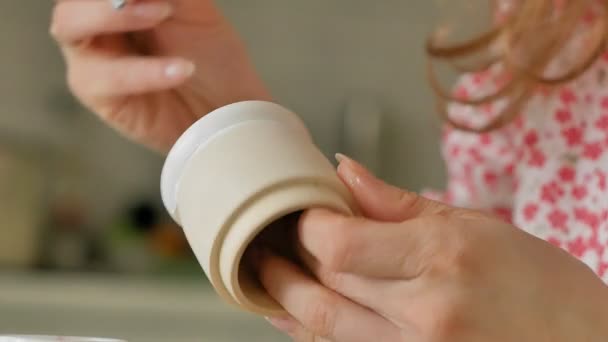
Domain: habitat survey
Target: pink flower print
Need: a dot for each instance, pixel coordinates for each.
(563, 116)
(595, 244)
(602, 123)
(603, 269)
(530, 211)
(462, 93)
(593, 150)
(485, 139)
(604, 216)
(490, 178)
(454, 151)
(602, 180)
(592, 220)
(567, 96)
(487, 109)
(577, 247)
(579, 192)
(587, 217)
(555, 241)
(503, 213)
(567, 174)
(580, 214)
(573, 135)
(476, 155)
(510, 169)
(537, 158)
(558, 219)
(519, 122)
(531, 138)
(551, 192)
(604, 102)
(479, 77)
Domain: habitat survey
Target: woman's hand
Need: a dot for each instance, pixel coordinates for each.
(155, 66)
(418, 271)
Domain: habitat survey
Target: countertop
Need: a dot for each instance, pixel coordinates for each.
(136, 309)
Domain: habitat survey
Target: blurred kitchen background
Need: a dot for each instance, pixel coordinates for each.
(85, 245)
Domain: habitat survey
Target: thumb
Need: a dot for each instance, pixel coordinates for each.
(380, 201)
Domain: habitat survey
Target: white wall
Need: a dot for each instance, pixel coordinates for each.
(314, 54)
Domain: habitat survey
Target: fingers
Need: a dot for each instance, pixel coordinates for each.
(77, 20)
(380, 295)
(320, 311)
(380, 201)
(371, 248)
(105, 77)
(111, 72)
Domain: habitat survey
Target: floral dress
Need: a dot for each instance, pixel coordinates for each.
(547, 172)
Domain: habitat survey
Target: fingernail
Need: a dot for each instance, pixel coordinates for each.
(179, 69)
(344, 159)
(152, 10)
(284, 324)
(340, 157)
(351, 171)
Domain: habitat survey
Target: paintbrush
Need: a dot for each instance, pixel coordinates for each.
(118, 4)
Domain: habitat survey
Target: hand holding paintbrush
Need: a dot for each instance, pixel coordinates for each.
(150, 68)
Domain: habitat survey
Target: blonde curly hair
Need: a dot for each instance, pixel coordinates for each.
(524, 43)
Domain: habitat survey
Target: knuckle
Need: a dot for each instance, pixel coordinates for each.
(409, 200)
(56, 26)
(331, 279)
(458, 252)
(462, 253)
(452, 246)
(340, 245)
(320, 316)
(412, 201)
(54, 31)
